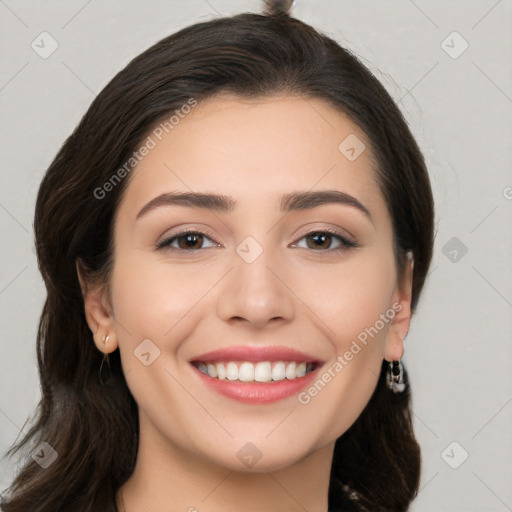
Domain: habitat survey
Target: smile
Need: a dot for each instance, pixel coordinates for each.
(262, 371)
(256, 374)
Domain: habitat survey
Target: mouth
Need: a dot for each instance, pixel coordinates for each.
(256, 375)
(263, 371)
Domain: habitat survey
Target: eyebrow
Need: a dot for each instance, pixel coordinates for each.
(221, 203)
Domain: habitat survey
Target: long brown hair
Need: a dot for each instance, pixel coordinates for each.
(92, 424)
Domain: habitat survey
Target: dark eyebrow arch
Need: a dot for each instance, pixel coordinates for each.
(226, 204)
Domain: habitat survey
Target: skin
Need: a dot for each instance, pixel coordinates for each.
(308, 297)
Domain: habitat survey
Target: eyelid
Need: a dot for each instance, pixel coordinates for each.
(200, 231)
(347, 241)
(341, 232)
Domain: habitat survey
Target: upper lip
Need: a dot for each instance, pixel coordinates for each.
(255, 354)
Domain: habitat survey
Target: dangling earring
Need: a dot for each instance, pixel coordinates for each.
(105, 357)
(395, 380)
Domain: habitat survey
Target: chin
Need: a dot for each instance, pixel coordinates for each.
(263, 457)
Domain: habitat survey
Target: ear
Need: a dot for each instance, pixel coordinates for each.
(98, 313)
(401, 305)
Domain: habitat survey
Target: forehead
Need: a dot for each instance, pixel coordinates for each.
(255, 150)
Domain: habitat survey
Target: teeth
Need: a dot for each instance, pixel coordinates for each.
(300, 370)
(290, 371)
(221, 371)
(246, 372)
(264, 371)
(279, 371)
(212, 371)
(231, 371)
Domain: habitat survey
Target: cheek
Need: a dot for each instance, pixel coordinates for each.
(151, 297)
(352, 297)
(351, 303)
(161, 303)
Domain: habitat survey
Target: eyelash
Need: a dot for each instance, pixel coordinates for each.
(346, 243)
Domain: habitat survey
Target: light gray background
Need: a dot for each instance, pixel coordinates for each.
(459, 348)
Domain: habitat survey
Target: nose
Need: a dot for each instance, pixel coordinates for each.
(256, 293)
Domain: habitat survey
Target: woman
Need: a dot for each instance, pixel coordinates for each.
(233, 242)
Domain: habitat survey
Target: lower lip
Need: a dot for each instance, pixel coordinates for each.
(257, 392)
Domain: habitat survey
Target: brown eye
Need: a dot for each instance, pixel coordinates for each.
(189, 240)
(319, 240)
(322, 240)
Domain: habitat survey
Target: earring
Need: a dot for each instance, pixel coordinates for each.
(105, 359)
(395, 380)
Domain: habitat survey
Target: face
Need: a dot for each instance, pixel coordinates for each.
(251, 277)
